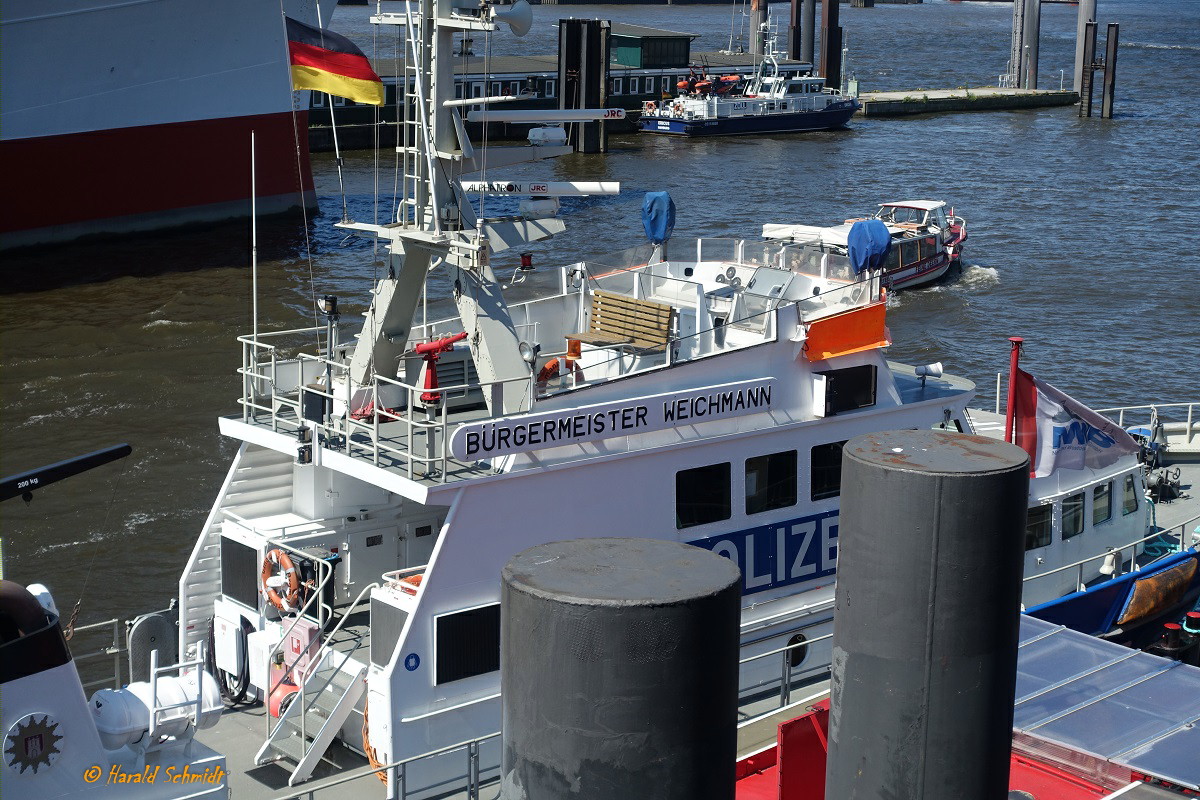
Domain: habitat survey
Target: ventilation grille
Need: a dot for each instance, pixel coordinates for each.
(239, 572)
(387, 623)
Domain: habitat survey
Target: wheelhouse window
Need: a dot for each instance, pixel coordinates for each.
(634, 85)
(825, 470)
(1130, 503)
(770, 482)
(1072, 516)
(1039, 527)
(702, 495)
(909, 252)
(849, 388)
(1102, 503)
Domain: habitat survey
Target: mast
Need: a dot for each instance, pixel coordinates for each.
(435, 225)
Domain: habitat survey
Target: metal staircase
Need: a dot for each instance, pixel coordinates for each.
(309, 724)
(332, 686)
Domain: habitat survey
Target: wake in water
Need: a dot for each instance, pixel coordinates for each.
(976, 275)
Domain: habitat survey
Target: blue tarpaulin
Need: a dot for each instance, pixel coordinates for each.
(868, 244)
(658, 216)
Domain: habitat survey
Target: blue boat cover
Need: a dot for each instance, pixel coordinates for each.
(868, 244)
(658, 216)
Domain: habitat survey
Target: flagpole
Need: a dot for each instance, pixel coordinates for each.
(1013, 357)
(337, 153)
(254, 241)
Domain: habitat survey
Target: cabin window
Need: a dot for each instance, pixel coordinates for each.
(909, 254)
(702, 495)
(1072, 516)
(389, 94)
(849, 389)
(893, 258)
(1102, 503)
(770, 482)
(825, 470)
(458, 90)
(634, 85)
(550, 89)
(496, 92)
(1130, 504)
(514, 88)
(341, 102)
(1039, 527)
(929, 247)
(318, 99)
(468, 643)
(616, 86)
(666, 84)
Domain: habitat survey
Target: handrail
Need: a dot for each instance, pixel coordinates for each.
(447, 709)
(362, 772)
(1120, 551)
(314, 665)
(115, 650)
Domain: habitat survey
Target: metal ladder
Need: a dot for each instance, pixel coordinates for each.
(324, 700)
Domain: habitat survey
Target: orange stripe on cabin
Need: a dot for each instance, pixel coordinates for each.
(849, 332)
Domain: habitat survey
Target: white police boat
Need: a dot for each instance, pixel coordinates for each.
(699, 391)
(772, 103)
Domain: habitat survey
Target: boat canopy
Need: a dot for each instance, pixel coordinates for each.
(868, 245)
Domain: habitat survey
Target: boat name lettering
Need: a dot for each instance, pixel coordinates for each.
(480, 440)
(781, 553)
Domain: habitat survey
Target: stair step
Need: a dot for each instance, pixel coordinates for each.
(290, 746)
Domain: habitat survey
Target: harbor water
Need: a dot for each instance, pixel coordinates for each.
(1083, 239)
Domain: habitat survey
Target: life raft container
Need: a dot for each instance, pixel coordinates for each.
(278, 560)
(558, 366)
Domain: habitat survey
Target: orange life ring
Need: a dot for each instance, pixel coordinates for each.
(650, 107)
(279, 559)
(555, 366)
(410, 584)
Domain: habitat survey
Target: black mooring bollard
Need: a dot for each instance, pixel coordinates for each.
(930, 554)
(619, 671)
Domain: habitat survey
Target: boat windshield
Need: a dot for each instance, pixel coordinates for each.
(901, 215)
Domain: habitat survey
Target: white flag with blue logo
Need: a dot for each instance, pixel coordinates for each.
(1059, 432)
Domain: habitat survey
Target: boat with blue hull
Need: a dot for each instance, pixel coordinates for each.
(773, 103)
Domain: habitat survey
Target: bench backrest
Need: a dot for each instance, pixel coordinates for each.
(647, 323)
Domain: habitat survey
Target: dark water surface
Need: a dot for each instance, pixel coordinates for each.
(1083, 239)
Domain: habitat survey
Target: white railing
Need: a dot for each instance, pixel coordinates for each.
(1176, 532)
(1148, 413)
(113, 649)
(198, 664)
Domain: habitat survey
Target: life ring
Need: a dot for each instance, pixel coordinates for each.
(410, 584)
(279, 559)
(556, 366)
(650, 107)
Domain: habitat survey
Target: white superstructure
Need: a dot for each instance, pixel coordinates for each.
(696, 391)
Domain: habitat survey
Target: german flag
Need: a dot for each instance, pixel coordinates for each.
(329, 62)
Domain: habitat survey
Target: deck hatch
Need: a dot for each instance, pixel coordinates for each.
(468, 643)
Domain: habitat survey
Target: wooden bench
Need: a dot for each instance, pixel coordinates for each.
(621, 321)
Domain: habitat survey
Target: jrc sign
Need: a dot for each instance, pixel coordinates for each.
(497, 437)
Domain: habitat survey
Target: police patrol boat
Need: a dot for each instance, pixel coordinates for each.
(927, 240)
(772, 103)
(699, 391)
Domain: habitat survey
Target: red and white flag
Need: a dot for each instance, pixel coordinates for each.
(1059, 432)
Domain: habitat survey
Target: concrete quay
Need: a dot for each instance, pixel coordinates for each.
(937, 101)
